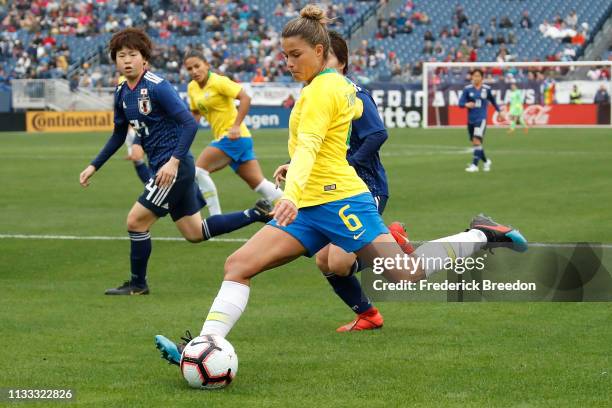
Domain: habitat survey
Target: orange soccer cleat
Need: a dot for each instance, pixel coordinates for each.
(398, 230)
(368, 320)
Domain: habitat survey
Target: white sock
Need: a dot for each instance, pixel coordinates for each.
(208, 190)
(269, 191)
(456, 246)
(226, 309)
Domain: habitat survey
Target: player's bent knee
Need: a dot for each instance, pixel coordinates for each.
(340, 267)
(322, 264)
(238, 268)
(135, 223)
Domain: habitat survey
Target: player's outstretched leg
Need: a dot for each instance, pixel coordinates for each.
(398, 230)
(170, 350)
(228, 222)
(498, 234)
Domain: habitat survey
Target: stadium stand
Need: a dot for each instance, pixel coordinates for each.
(52, 39)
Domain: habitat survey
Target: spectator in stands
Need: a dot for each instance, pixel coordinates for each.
(407, 28)
(525, 20)
(489, 40)
(575, 95)
(579, 39)
(428, 36)
(475, 34)
(420, 18)
(505, 22)
(493, 24)
(439, 50)
(259, 77)
(601, 96)
(511, 37)
(444, 33)
(572, 19)
(460, 18)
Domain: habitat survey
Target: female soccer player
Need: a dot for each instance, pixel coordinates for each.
(516, 109)
(476, 98)
(325, 201)
(153, 108)
(213, 96)
(368, 133)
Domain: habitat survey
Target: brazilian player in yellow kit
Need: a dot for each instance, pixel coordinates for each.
(213, 96)
(325, 201)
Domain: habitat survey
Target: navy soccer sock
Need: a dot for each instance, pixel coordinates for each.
(477, 155)
(482, 154)
(143, 171)
(350, 291)
(139, 256)
(228, 222)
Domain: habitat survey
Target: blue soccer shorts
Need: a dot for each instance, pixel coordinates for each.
(350, 223)
(239, 150)
(181, 198)
(477, 130)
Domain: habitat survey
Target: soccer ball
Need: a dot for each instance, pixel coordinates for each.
(209, 362)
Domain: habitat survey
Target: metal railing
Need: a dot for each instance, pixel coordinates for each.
(55, 94)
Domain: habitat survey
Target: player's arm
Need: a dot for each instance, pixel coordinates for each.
(192, 106)
(235, 90)
(112, 145)
(314, 122)
(491, 99)
(463, 100)
(374, 134)
(175, 108)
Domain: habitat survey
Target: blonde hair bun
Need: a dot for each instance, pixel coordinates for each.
(313, 12)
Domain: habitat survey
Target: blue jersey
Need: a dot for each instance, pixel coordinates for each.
(154, 109)
(481, 98)
(368, 133)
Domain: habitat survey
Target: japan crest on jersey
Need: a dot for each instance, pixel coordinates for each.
(144, 102)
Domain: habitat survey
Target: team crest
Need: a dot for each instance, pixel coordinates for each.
(144, 104)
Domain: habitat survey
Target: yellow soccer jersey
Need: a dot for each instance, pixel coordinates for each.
(319, 128)
(216, 103)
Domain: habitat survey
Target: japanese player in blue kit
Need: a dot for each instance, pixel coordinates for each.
(476, 98)
(166, 129)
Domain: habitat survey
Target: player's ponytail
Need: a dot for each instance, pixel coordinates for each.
(340, 49)
(310, 26)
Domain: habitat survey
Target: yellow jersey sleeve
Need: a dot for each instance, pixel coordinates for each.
(190, 95)
(358, 109)
(316, 115)
(319, 128)
(226, 86)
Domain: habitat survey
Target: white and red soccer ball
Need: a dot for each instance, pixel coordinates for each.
(209, 362)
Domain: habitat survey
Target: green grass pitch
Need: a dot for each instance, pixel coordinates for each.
(58, 330)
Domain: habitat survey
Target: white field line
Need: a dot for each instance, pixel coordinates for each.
(114, 238)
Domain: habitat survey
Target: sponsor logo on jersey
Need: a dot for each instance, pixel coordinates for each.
(329, 187)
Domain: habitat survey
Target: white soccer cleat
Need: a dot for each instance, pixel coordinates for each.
(472, 168)
(487, 165)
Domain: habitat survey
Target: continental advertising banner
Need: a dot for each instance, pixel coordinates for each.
(42, 121)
